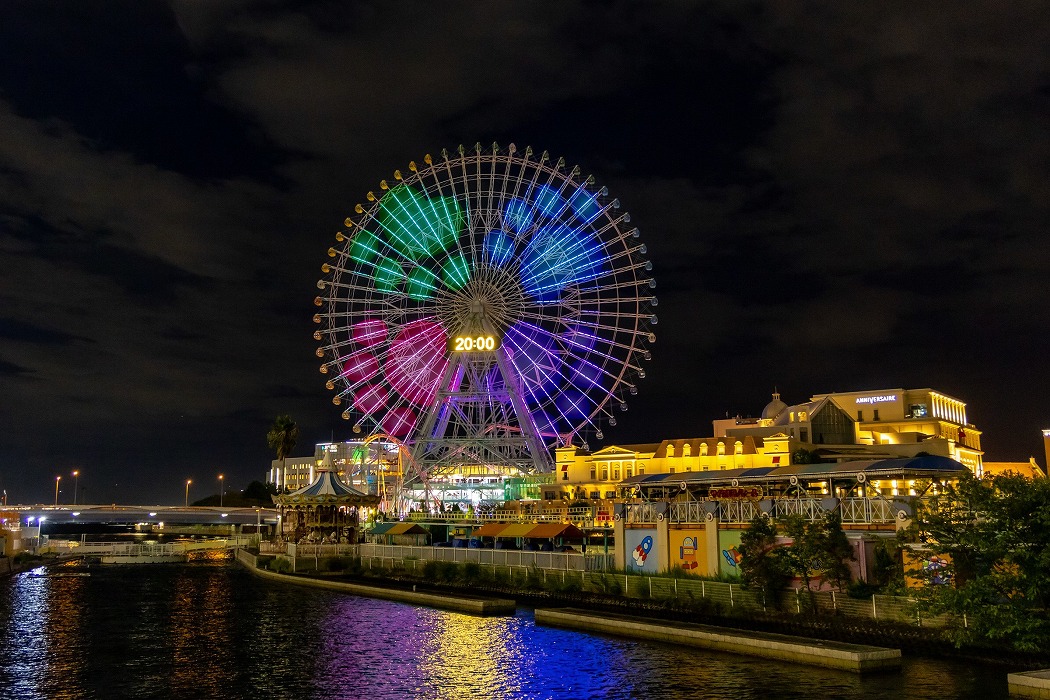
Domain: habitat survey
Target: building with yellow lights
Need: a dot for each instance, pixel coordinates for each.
(838, 427)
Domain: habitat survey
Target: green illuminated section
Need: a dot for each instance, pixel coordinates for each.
(422, 283)
(456, 272)
(418, 226)
(388, 275)
(365, 247)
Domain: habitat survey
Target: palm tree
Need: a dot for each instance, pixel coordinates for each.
(283, 435)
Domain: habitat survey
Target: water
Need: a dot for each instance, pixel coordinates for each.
(212, 630)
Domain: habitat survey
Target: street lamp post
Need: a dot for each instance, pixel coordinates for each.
(222, 489)
(76, 484)
(188, 482)
(57, 479)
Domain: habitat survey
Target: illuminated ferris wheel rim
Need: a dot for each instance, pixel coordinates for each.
(493, 246)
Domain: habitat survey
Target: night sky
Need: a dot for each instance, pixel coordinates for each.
(834, 196)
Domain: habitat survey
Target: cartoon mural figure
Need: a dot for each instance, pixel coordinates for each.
(687, 553)
(933, 568)
(732, 556)
(642, 550)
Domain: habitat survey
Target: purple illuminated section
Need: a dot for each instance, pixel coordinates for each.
(417, 360)
(534, 356)
(369, 333)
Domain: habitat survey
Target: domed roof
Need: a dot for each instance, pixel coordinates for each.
(774, 408)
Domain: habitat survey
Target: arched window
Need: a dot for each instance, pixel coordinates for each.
(670, 450)
(703, 449)
(687, 450)
(721, 447)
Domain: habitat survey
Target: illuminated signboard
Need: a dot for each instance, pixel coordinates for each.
(473, 343)
(877, 399)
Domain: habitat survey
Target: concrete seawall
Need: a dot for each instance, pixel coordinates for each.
(1030, 684)
(850, 657)
(472, 606)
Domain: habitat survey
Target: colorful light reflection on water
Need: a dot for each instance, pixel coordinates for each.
(211, 630)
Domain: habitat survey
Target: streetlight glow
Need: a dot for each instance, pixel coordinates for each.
(57, 479)
(188, 482)
(221, 489)
(76, 484)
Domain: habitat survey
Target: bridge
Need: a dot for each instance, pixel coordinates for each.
(160, 516)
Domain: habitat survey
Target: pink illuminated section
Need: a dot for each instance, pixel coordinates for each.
(417, 360)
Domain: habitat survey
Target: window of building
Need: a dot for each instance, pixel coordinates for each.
(671, 470)
(860, 414)
(605, 473)
(595, 495)
(876, 412)
(670, 450)
(550, 495)
(689, 469)
(616, 474)
(641, 470)
(687, 450)
(565, 476)
(593, 473)
(739, 448)
(803, 434)
(610, 494)
(630, 472)
(721, 448)
(703, 450)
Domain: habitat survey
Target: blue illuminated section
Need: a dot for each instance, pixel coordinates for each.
(499, 247)
(585, 206)
(548, 200)
(558, 256)
(535, 357)
(518, 215)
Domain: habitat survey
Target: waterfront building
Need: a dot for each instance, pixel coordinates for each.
(868, 424)
(1046, 447)
(1030, 469)
(364, 464)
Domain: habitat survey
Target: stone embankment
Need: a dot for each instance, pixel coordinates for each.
(857, 658)
(463, 604)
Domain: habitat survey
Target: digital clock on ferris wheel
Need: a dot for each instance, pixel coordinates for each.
(473, 343)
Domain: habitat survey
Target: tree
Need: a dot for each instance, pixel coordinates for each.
(762, 565)
(818, 548)
(994, 534)
(283, 435)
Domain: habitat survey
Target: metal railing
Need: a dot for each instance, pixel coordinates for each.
(853, 511)
(75, 547)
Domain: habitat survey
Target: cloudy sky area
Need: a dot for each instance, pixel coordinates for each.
(835, 197)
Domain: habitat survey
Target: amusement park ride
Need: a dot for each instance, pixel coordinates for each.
(483, 308)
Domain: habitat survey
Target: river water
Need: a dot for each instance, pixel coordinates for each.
(212, 630)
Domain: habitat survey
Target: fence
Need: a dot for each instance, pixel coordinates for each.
(77, 548)
(853, 510)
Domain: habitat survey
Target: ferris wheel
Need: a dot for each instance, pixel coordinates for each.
(484, 307)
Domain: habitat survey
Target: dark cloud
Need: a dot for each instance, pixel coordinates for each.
(834, 197)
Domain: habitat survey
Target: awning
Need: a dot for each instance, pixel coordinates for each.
(397, 529)
(489, 530)
(548, 531)
(406, 529)
(517, 530)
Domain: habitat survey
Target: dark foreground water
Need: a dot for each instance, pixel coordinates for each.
(212, 630)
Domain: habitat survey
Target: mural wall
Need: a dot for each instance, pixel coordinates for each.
(729, 549)
(688, 551)
(639, 554)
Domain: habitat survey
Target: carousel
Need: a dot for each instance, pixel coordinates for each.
(326, 511)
